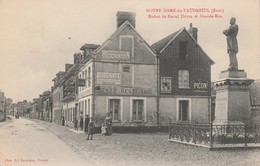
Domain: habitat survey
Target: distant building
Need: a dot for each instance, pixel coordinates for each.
(57, 95)
(2, 107)
(69, 97)
(46, 106)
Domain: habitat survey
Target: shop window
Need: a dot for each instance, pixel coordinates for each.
(183, 79)
(114, 108)
(138, 110)
(183, 46)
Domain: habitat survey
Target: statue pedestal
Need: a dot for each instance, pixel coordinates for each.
(232, 97)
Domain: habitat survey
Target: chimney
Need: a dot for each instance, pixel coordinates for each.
(77, 58)
(194, 32)
(125, 16)
(68, 66)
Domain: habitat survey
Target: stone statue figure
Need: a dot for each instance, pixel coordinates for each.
(232, 45)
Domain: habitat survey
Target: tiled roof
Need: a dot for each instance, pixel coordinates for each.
(163, 43)
(158, 46)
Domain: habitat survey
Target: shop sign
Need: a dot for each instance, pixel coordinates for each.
(166, 84)
(111, 55)
(108, 78)
(200, 85)
(114, 90)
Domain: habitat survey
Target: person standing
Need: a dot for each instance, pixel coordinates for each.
(108, 122)
(62, 121)
(91, 127)
(75, 124)
(86, 123)
(81, 123)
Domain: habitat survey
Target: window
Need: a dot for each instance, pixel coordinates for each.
(126, 43)
(183, 110)
(126, 69)
(183, 50)
(89, 77)
(138, 110)
(86, 111)
(126, 76)
(86, 78)
(183, 79)
(89, 106)
(114, 108)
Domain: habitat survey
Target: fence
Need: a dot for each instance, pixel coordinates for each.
(210, 135)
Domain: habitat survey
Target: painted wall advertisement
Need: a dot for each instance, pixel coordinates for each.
(115, 55)
(166, 84)
(125, 91)
(200, 85)
(108, 78)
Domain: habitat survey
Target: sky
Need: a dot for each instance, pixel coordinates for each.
(38, 37)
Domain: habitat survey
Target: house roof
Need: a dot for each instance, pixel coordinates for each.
(162, 44)
(119, 29)
(90, 46)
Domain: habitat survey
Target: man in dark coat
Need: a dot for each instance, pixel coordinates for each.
(81, 123)
(91, 127)
(86, 123)
(232, 44)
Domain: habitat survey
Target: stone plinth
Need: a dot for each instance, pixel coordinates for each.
(232, 74)
(232, 97)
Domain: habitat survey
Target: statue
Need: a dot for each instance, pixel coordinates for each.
(232, 45)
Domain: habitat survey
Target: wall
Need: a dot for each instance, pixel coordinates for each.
(196, 62)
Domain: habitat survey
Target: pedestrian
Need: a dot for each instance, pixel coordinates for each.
(62, 121)
(81, 123)
(108, 122)
(86, 123)
(75, 124)
(103, 129)
(91, 127)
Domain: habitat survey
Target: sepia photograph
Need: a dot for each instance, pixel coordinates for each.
(129, 83)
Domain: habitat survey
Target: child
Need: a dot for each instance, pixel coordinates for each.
(76, 124)
(103, 129)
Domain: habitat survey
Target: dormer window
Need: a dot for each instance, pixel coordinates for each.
(183, 50)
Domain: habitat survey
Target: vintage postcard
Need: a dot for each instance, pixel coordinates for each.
(169, 82)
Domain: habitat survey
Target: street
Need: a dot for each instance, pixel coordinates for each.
(34, 142)
(23, 142)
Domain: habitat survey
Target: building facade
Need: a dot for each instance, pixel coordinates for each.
(57, 95)
(120, 78)
(185, 78)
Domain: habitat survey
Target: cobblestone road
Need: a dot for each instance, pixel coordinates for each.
(147, 149)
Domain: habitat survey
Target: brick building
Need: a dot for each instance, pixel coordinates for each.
(185, 78)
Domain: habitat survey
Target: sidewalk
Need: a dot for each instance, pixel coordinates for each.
(75, 131)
